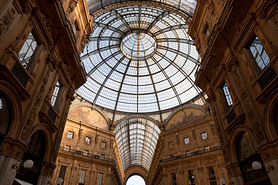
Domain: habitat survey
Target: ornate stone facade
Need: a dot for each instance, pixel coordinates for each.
(228, 53)
(33, 35)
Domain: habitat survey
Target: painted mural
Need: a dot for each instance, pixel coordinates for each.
(185, 116)
(87, 115)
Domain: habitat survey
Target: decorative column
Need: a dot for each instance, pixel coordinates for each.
(46, 173)
(11, 154)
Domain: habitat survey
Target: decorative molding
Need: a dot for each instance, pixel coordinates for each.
(7, 20)
(250, 112)
(34, 110)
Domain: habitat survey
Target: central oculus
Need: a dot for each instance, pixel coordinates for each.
(138, 46)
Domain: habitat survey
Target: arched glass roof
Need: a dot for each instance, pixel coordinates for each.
(137, 139)
(139, 59)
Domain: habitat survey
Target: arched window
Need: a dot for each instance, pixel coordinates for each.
(5, 117)
(247, 155)
(36, 152)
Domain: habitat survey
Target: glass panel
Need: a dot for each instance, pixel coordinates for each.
(227, 95)
(145, 71)
(27, 50)
(70, 135)
(55, 93)
(142, 135)
(82, 176)
(99, 179)
(259, 54)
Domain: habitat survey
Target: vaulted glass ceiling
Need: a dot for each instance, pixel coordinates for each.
(137, 138)
(140, 59)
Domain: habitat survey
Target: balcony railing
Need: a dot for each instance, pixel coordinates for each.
(268, 76)
(78, 152)
(191, 154)
(231, 115)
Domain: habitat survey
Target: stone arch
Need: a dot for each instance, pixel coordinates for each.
(48, 138)
(271, 105)
(12, 96)
(234, 138)
(92, 108)
(135, 170)
(157, 123)
(195, 106)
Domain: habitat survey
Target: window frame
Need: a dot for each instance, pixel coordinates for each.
(227, 95)
(82, 177)
(71, 134)
(170, 145)
(212, 176)
(99, 178)
(258, 54)
(36, 51)
(103, 145)
(186, 141)
(202, 135)
(88, 140)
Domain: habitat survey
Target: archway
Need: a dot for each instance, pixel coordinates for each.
(246, 154)
(135, 180)
(5, 116)
(35, 152)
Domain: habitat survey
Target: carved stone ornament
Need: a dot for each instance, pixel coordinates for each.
(266, 7)
(7, 20)
(211, 8)
(34, 110)
(248, 107)
(13, 148)
(72, 4)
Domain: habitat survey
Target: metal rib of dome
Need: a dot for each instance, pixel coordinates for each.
(139, 59)
(137, 139)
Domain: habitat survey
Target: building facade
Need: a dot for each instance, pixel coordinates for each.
(37, 82)
(88, 152)
(188, 151)
(238, 43)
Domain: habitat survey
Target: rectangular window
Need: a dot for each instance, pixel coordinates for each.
(82, 177)
(170, 145)
(67, 148)
(70, 135)
(62, 172)
(227, 94)
(103, 145)
(55, 93)
(188, 153)
(191, 177)
(259, 54)
(86, 152)
(27, 50)
(174, 180)
(204, 135)
(99, 179)
(87, 140)
(212, 178)
(207, 31)
(186, 140)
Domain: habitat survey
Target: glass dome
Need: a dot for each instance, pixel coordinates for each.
(139, 59)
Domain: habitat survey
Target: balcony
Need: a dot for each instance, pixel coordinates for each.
(89, 155)
(200, 152)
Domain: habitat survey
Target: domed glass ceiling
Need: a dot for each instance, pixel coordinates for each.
(139, 59)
